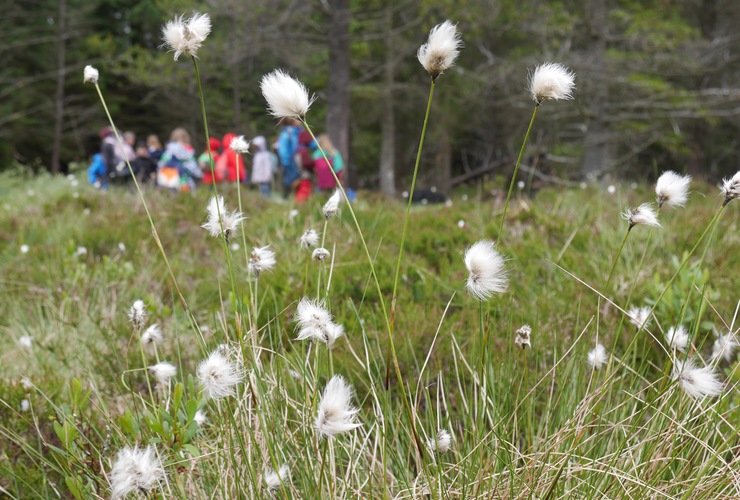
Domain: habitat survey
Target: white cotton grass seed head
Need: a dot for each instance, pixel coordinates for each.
(320, 254)
(90, 75)
(185, 36)
(240, 145)
(644, 215)
(26, 341)
(286, 97)
(485, 265)
(200, 418)
(135, 470)
(152, 335)
(672, 189)
(25, 249)
(309, 239)
(336, 414)
(724, 347)
(218, 376)
(697, 381)
(639, 316)
(219, 219)
(677, 338)
(315, 323)
(261, 259)
(274, 480)
(731, 188)
(137, 314)
(442, 48)
(25, 405)
(597, 357)
(331, 207)
(551, 81)
(163, 372)
(441, 443)
(523, 337)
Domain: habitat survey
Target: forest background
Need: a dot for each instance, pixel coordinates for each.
(657, 87)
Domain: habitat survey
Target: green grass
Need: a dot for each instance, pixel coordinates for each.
(563, 431)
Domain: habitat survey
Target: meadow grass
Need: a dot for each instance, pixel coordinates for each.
(534, 424)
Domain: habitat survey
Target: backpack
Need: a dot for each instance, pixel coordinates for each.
(119, 168)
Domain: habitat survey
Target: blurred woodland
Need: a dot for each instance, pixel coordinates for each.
(657, 86)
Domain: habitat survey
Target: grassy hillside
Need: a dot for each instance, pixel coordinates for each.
(539, 423)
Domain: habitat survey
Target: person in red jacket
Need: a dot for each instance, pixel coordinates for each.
(304, 160)
(230, 161)
(205, 162)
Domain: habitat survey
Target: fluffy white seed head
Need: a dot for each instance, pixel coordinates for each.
(523, 337)
(485, 265)
(185, 36)
(441, 49)
(240, 145)
(336, 414)
(724, 347)
(639, 316)
(137, 314)
(644, 215)
(551, 81)
(200, 418)
(731, 188)
(320, 254)
(218, 376)
(274, 480)
(163, 372)
(697, 381)
(26, 341)
(331, 207)
(261, 259)
(219, 219)
(285, 96)
(597, 357)
(309, 239)
(672, 189)
(441, 443)
(677, 338)
(314, 322)
(135, 470)
(91, 75)
(152, 335)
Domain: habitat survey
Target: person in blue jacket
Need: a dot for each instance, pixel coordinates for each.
(287, 145)
(96, 173)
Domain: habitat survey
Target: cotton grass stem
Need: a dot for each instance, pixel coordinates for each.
(516, 169)
(616, 258)
(404, 393)
(213, 176)
(157, 240)
(394, 297)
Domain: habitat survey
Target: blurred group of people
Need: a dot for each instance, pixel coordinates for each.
(305, 167)
(294, 155)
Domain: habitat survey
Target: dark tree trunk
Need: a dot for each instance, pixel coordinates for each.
(59, 94)
(338, 113)
(597, 154)
(443, 160)
(388, 121)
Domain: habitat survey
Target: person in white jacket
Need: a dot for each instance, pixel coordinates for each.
(262, 166)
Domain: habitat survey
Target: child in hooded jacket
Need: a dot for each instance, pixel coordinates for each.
(262, 166)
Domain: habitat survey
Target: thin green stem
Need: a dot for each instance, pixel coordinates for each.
(157, 240)
(405, 395)
(323, 466)
(394, 297)
(408, 205)
(516, 170)
(224, 239)
(616, 258)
